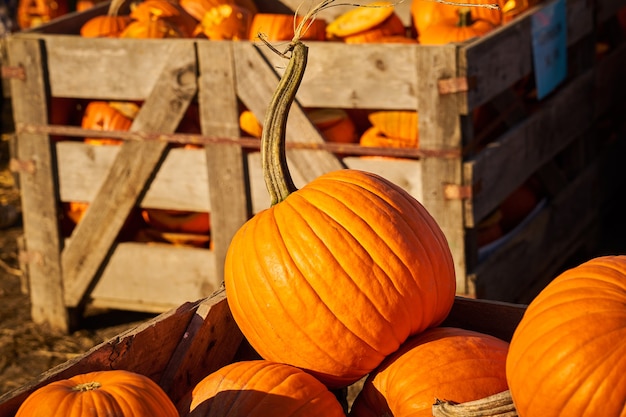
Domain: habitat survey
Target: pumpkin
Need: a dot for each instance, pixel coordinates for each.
(104, 26)
(99, 115)
(397, 124)
(259, 388)
(374, 137)
(155, 28)
(336, 275)
(442, 363)
(360, 19)
(226, 22)
(567, 355)
(113, 393)
(455, 29)
(32, 13)
(280, 27)
(425, 13)
(249, 124)
(390, 27)
(197, 8)
(168, 11)
(177, 220)
(334, 124)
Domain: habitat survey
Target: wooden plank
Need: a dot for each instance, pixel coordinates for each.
(440, 128)
(609, 83)
(180, 184)
(38, 187)
(93, 237)
(372, 76)
(212, 342)
(505, 164)
(146, 349)
(138, 62)
(500, 58)
(219, 116)
(256, 82)
(605, 9)
(167, 276)
(561, 226)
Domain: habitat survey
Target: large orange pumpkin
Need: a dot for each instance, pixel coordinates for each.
(426, 12)
(443, 363)
(568, 354)
(100, 115)
(114, 393)
(259, 388)
(280, 27)
(335, 276)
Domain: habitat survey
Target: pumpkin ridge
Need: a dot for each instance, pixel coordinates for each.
(417, 229)
(383, 278)
(324, 281)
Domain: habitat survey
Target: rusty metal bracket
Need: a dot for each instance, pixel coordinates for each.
(460, 192)
(18, 165)
(456, 85)
(14, 72)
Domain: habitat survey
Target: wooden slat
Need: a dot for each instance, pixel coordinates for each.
(167, 276)
(373, 76)
(507, 163)
(440, 128)
(134, 166)
(38, 188)
(609, 81)
(499, 59)
(256, 82)
(607, 9)
(219, 116)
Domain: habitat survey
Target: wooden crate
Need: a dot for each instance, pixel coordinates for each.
(444, 83)
(178, 348)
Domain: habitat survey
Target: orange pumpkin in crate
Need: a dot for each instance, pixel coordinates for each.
(443, 363)
(32, 13)
(249, 124)
(390, 27)
(197, 8)
(171, 12)
(110, 25)
(114, 393)
(178, 220)
(455, 29)
(425, 13)
(360, 19)
(280, 27)
(100, 115)
(225, 22)
(334, 124)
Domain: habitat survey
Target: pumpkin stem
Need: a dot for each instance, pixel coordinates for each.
(465, 17)
(87, 386)
(273, 156)
(497, 405)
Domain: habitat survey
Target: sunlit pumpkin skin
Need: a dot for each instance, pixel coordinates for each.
(32, 13)
(335, 125)
(155, 28)
(360, 19)
(455, 29)
(442, 363)
(260, 388)
(114, 393)
(350, 262)
(390, 27)
(374, 137)
(568, 355)
(170, 11)
(197, 8)
(249, 124)
(280, 27)
(105, 26)
(99, 115)
(177, 220)
(396, 123)
(425, 13)
(226, 22)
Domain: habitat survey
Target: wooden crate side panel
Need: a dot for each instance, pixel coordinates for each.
(504, 56)
(180, 184)
(561, 225)
(145, 349)
(605, 9)
(370, 76)
(38, 187)
(94, 235)
(155, 277)
(609, 84)
(508, 162)
(106, 68)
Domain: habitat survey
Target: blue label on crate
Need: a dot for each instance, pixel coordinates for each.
(549, 39)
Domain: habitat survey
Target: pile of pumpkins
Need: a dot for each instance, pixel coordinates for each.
(433, 23)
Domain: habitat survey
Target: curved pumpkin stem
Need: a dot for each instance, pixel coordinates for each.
(465, 17)
(497, 405)
(273, 156)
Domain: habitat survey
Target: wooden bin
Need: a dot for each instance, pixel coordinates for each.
(178, 348)
(444, 83)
